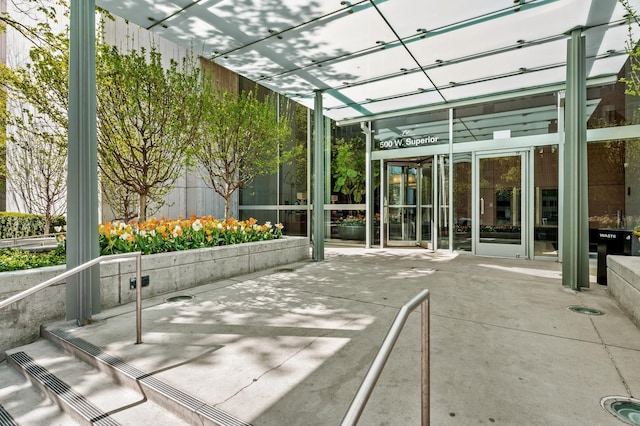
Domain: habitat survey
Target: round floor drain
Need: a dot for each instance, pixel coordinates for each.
(625, 409)
(585, 310)
(181, 298)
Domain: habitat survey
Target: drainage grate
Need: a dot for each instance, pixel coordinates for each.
(279, 270)
(181, 298)
(625, 409)
(63, 391)
(584, 310)
(5, 418)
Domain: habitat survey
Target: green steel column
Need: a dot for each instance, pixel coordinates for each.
(575, 235)
(83, 290)
(318, 180)
(368, 183)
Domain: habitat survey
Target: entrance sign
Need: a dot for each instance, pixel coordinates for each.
(409, 142)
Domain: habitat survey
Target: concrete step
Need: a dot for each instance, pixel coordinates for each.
(24, 405)
(83, 392)
(183, 405)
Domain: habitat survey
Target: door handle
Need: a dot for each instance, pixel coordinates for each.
(481, 205)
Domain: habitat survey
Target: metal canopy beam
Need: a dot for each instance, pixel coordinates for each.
(83, 290)
(575, 236)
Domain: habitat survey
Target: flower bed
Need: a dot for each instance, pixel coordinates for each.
(165, 235)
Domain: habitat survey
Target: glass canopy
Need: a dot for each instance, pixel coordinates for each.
(378, 56)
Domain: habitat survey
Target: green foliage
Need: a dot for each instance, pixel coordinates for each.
(15, 260)
(37, 162)
(148, 117)
(632, 80)
(348, 168)
(241, 137)
(16, 225)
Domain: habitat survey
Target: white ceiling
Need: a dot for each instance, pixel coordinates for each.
(377, 56)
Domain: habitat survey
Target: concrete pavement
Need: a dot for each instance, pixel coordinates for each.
(291, 347)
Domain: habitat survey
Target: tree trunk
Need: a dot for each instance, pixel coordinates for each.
(227, 206)
(142, 212)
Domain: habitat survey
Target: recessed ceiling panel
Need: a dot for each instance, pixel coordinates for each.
(507, 84)
(380, 63)
(418, 99)
(140, 11)
(414, 82)
(409, 15)
(511, 62)
(256, 17)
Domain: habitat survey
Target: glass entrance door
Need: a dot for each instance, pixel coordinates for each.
(402, 184)
(409, 204)
(500, 195)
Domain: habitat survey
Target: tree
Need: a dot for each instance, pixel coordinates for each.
(35, 18)
(37, 163)
(148, 119)
(348, 168)
(240, 139)
(36, 158)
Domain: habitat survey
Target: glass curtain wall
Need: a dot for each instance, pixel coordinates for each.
(282, 197)
(518, 123)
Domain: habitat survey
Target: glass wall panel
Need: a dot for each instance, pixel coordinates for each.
(443, 201)
(533, 115)
(462, 202)
(614, 186)
(545, 204)
(294, 221)
(261, 216)
(609, 106)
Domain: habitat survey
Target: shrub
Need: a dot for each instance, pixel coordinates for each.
(16, 225)
(15, 260)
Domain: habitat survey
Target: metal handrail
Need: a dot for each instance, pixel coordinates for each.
(366, 388)
(80, 268)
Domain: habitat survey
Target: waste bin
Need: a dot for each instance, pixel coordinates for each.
(614, 241)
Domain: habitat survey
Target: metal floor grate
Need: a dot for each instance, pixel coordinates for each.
(5, 418)
(63, 391)
(186, 400)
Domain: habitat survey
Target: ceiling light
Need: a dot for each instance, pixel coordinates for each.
(151, 19)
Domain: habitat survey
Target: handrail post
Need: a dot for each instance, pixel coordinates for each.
(366, 388)
(426, 418)
(138, 299)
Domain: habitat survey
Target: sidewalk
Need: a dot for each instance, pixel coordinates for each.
(292, 347)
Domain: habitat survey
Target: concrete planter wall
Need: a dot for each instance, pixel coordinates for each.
(623, 281)
(168, 272)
